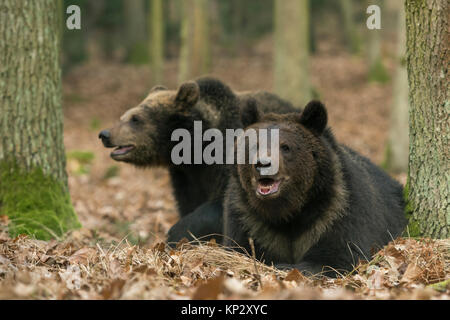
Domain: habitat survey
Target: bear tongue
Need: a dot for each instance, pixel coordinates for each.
(266, 189)
(122, 150)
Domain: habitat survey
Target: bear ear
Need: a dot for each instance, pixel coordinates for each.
(250, 113)
(314, 117)
(158, 88)
(187, 95)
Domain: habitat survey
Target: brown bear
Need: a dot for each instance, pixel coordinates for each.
(327, 206)
(143, 137)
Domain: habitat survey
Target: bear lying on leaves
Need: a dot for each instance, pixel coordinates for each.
(326, 207)
(143, 138)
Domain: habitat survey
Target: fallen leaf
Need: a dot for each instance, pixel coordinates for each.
(209, 290)
(411, 274)
(160, 246)
(181, 243)
(82, 256)
(294, 275)
(114, 290)
(145, 270)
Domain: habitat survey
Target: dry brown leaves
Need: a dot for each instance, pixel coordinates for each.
(81, 268)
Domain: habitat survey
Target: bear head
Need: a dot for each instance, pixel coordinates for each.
(143, 135)
(302, 155)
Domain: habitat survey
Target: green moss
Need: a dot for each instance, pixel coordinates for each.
(36, 204)
(440, 286)
(378, 73)
(413, 229)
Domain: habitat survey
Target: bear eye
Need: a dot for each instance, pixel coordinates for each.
(135, 119)
(285, 148)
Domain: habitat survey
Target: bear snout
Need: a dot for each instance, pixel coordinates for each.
(105, 136)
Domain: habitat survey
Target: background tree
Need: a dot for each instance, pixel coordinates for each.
(398, 144)
(75, 41)
(195, 45)
(377, 70)
(350, 31)
(427, 23)
(291, 65)
(33, 180)
(156, 22)
(136, 31)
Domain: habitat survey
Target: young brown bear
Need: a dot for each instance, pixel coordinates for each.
(143, 138)
(326, 207)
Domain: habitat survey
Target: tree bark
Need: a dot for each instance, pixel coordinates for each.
(291, 65)
(398, 144)
(33, 180)
(429, 165)
(195, 57)
(156, 41)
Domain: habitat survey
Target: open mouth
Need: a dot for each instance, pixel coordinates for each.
(121, 150)
(267, 186)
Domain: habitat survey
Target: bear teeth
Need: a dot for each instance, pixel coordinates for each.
(267, 186)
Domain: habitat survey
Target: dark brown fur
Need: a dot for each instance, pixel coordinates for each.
(148, 127)
(332, 205)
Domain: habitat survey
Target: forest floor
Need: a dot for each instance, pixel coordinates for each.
(126, 212)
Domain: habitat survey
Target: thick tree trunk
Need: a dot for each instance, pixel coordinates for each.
(156, 41)
(33, 180)
(195, 51)
(398, 144)
(291, 66)
(427, 23)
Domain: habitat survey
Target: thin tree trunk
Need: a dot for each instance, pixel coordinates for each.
(427, 23)
(350, 31)
(136, 35)
(156, 41)
(291, 65)
(33, 180)
(398, 145)
(377, 70)
(195, 46)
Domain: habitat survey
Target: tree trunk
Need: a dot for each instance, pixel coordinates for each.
(427, 23)
(398, 144)
(377, 70)
(291, 65)
(156, 41)
(136, 35)
(195, 51)
(33, 180)
(350, 31)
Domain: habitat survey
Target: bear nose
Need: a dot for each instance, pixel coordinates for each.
(104, 135)
(263, 163)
